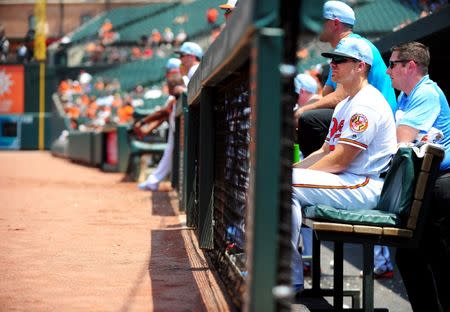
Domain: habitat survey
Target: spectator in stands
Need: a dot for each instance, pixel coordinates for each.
(113, 55)
(180, 38)
(4, 45)
(211, 16)
(64, 86)
(97, 53)
(106, 27)
(22, 52)
(29, 43)
(85, 100)
(99, 84)
(155, 38)
(91, 111)
(174, 80)
(143, 41)
(180, 19)
(423, 113)
(76, 87)
(138, 92)
(125, 113)
(228, 8)
(110, 37)
(106, 34)
(72, 111)
(315, 118)
(359, 145)
(168, 37)
(136, 53)
(190, 56)
(113, 86)
(85, 79)
(147, 53)
(103, 116)
(117, 102)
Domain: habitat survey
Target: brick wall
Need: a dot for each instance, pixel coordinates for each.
(14, 17)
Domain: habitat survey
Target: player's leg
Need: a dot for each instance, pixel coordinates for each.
(342, 191)
(383, 267)
(163, 169)
(297, 264)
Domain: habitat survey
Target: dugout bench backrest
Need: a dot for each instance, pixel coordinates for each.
(398, 219)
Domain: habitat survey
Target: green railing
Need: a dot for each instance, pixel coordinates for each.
(237, 156)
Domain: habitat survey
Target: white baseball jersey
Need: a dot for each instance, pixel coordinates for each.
(365, 121)
(192, 71)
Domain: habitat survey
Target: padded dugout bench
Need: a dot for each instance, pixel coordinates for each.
(137, 149)
(398, 220)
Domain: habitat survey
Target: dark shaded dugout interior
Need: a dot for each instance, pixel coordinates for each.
(433, 31)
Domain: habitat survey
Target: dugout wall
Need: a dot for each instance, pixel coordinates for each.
(237, 177)
(236, 150)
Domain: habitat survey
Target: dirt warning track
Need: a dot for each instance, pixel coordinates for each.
(73, 238)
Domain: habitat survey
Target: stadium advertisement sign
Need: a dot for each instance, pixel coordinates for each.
(11, 89)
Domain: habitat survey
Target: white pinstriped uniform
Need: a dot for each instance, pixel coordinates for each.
(364, 121)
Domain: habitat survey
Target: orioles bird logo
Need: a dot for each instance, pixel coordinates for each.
(359, 123)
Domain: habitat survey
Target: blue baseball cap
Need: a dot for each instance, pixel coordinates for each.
(305, 82)
(173, 64)
(339, 10)
(190, 48)
(354, 48)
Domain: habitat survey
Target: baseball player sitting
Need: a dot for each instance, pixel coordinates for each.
(345, 171)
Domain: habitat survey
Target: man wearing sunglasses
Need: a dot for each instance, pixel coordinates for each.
(345, 172)
(190, 55)
(424, 114)
(314, 119)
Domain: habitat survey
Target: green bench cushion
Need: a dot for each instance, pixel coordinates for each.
(363, 217)
(144, 147)
(395, 199)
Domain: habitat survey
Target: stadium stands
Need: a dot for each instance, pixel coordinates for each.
(195, 24)
(119, 17)
(139, 72)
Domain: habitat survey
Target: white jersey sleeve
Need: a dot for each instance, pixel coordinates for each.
(360, 127)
